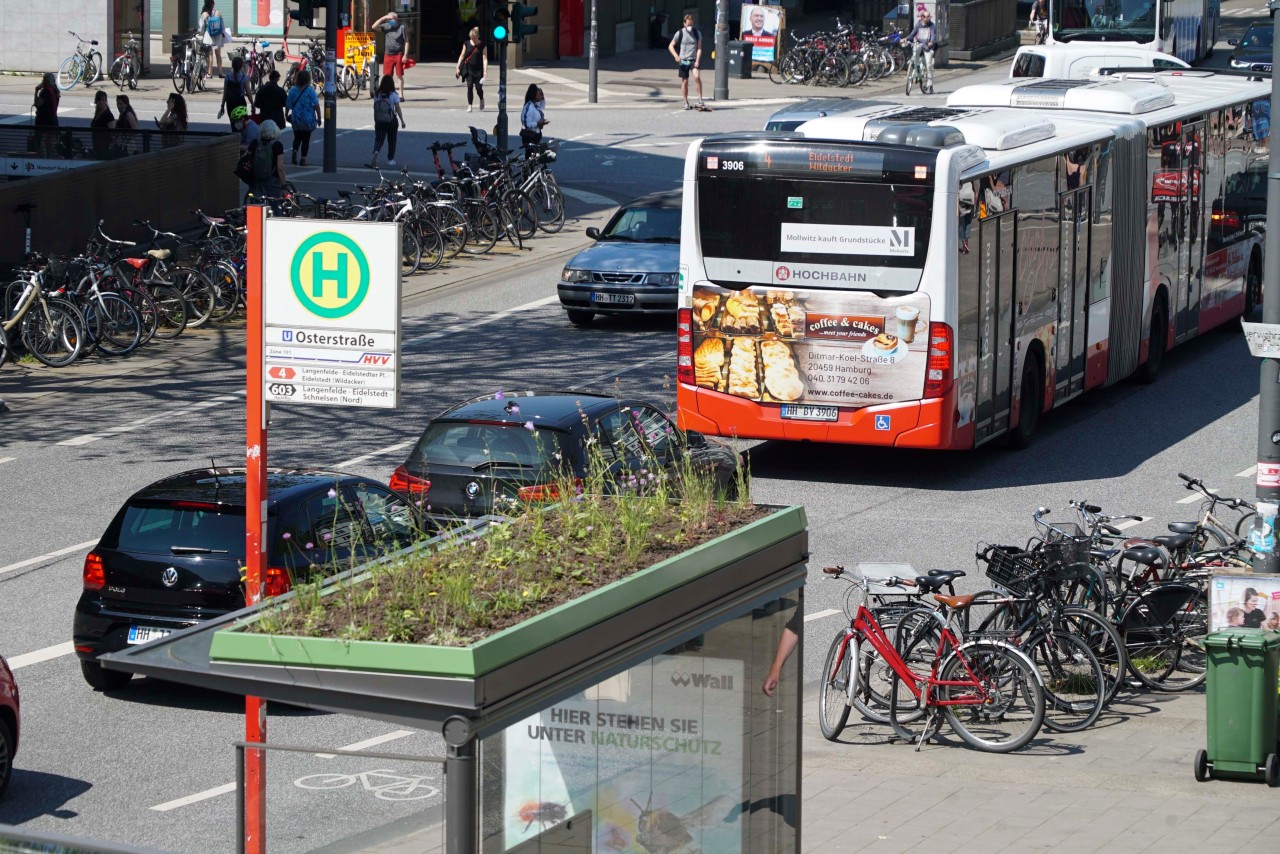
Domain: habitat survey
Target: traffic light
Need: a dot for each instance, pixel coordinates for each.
(305, 14)
(520, 14)
(501, 24)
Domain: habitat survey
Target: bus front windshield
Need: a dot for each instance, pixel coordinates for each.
(1104, 20)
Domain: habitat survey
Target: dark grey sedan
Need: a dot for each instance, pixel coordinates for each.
(633, 268)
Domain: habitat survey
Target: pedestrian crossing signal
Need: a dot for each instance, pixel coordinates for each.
(501, 24)
(520, 14)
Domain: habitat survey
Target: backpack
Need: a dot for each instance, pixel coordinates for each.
(384, 112)
(263, 162)
(301, 111)
(214, 25)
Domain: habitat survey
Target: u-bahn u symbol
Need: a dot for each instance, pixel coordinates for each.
(330, 275)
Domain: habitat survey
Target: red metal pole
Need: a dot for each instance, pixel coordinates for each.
(255, 525)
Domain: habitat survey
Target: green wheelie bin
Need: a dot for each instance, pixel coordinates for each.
(1241, 689)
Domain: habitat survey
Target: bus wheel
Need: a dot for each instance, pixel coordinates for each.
(1029, 403)
(1252, 288)
(1150, 369)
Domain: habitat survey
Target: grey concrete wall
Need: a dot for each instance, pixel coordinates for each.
(33, 35)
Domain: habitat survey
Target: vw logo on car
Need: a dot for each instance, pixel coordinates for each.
(169, 577)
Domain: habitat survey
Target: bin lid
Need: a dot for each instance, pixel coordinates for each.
(1242, 638)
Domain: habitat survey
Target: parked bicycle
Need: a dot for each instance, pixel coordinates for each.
(50, 327)
(127, 64)
(353, 82)
(189, 63)
(83, 65)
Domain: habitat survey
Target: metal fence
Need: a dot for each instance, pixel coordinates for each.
(79, 144)
(980, 24)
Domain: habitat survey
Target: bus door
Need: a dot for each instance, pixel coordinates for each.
(1190, 233)
(1075, 209)
(997, 263)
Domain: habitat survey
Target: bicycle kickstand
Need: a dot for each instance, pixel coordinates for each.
(932, 726)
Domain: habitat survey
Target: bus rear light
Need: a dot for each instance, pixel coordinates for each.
(684, 346)
(938, 368)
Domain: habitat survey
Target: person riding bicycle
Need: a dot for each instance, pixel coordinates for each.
(925, 33)
(1039, 19)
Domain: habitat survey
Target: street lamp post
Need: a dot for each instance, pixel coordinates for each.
(721, 91)
(593, 57)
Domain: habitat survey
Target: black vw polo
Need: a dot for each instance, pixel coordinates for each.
(172, 556)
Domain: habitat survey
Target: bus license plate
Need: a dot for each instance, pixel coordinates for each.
(616, 299)
(808, 412)
(143, 634)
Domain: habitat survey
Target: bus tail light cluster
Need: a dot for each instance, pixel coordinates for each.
(939, 370)
(684, 346)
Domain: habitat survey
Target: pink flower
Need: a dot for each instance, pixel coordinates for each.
(332, 493)
(514, 408)
(311, 545)
(499, 396)
(287, 536)
(528, 425)
(328, 537)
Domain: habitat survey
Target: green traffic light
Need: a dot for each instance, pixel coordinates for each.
(499, 33)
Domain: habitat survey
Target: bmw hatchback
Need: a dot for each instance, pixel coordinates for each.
(172, 556)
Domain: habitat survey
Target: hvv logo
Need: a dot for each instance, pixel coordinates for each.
(720, 682)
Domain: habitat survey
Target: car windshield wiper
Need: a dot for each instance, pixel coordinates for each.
(661, 240)
(618, 237)
(505, 464)
(196, 550)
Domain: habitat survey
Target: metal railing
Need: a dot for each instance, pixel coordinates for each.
(91, 144)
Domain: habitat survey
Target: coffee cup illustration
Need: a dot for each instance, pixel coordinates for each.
(908, 317)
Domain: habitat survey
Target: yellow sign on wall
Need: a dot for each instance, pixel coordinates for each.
(357, 48)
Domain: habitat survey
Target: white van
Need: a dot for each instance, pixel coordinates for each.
(1078, 61)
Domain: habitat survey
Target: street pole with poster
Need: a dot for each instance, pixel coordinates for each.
(721, 90)
(762, 28)
(330, 88)
(322, 328)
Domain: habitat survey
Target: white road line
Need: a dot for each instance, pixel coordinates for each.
(48, 556)
(565, 82)
(1192, 499)
(355, 460)
(83, 440)
(589, 198)
(369, 742)
(1123, 526)
(1249, 472)
(463, 327)
(4, 460)
(55, 651)
(818, 615)
(196, 798)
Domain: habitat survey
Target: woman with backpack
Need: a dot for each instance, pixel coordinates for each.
(473, 66)
(268, 162)
(386, 110)
(213, 32)
(235, 89)
(302, 106)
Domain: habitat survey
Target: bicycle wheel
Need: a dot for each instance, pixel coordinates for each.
(226, 285)
(911, 74)
(171, 311)
(550, 208)
(132, 73)
(1104, 642)
(348, 82)
(917, 642)
(70, 72)
(1163, 632)
(148, 314)
(482, 227)
(121, 327)
(1074, 683)
(53, 333)
(857, 71)
(523, 212)
(431, 245)
(93, 68)
(792, 68)
(178, 76)
(4, 347)
(875, 680)
(452, 225)
(117, 74)
(91, 323)
(410, 252)
(507, 226)
(1011, 699)
(833, 700)
(199, 293)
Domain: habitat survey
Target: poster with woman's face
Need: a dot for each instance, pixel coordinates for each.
(1244, 601)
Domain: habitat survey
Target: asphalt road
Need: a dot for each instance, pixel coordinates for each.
(103, 766)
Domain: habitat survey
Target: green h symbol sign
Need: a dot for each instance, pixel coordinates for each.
(320, 275)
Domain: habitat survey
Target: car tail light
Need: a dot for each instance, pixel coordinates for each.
(277, 581)
(95, 575)
(684, 346)
(1227, 219)
(938, 367)
(544, 491)
(407, 484)
(196, 505)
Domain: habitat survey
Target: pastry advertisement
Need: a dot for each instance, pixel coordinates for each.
(789, 346)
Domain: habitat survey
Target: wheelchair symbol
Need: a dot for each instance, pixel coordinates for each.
(882, 422)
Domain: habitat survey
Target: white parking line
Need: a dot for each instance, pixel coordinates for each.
(1249, 472)
(369, 742)
(356, 460)
(196, 798)
(589, 198)
(48, 556)
(4, 460)
(1192, 499)
(818, 615)
(1121, 526)
(55, 651)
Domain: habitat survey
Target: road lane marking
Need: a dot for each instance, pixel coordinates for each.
(356, 460)
(1249, 472)
(369, 742)
(106, 432)
(1192, 499)
(83, 440)
(196, 798)
(818, 615)
(566, 82)
(1130, 523)
(463, 327)
(55, 651)
(4, 460)
(47, 556)
(588, 198)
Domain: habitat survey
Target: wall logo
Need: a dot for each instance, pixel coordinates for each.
(330, 275)
(720, 682)
(782, 273)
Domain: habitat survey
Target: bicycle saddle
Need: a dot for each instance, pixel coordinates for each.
(1105, 554)
(1173, 542)
(159, 254)
(1145, 555)
(94, 42)
(949, 574)
(956, 602)
(931, 583)
(1183, 527)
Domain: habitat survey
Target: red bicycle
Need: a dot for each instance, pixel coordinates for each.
(988, 691)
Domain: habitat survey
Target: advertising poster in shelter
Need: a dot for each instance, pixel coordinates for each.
(762, 27)
(1244, 601)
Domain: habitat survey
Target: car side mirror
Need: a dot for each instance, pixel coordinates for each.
(1233, 42)
(694, 439)
(593, 233)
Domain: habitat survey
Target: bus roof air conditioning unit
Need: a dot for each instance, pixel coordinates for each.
(921, 136)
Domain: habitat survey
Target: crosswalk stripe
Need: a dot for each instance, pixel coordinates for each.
(1249, 472)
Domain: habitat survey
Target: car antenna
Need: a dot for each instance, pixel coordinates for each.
(213, 469)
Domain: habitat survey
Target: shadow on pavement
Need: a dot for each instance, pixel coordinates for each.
(33, 794)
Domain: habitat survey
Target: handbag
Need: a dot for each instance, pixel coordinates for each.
(244, 167)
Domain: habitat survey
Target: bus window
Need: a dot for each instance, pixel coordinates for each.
(1028, 64)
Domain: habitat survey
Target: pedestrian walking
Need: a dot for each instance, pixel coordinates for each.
(102, 122)
(246, 126)
(268, 162)
(393, 47)
(173, 120)
(269, 102)
(45, 105)
(386, 111)
(473, 67)
(235, 89)
(533, 116)
(302, 106)
(126, 118)
(686, 50)
(213, 33)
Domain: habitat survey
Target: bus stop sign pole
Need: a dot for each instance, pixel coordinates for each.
(1268, 477)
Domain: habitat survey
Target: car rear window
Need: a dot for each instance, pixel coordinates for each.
(472, 445)
(151, 528)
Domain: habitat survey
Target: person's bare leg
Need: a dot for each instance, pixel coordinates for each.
(697, 83)
(400, 77)
(684, 90)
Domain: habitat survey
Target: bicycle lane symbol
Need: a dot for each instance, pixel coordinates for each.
(383, 783)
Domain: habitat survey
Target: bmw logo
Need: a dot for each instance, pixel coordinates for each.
(169, 577)
(473, 489)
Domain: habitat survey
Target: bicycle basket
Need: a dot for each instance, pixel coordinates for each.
(1067, 551)
(60, 272)
(187, 253)
(1010, 567)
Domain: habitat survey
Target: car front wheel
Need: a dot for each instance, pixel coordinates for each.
(6, 754)
(101, 679)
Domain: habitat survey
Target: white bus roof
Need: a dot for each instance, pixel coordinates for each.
(1134, 94)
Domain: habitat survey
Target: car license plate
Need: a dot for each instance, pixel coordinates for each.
(142, 634)
(809, 412)
(616, 299)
